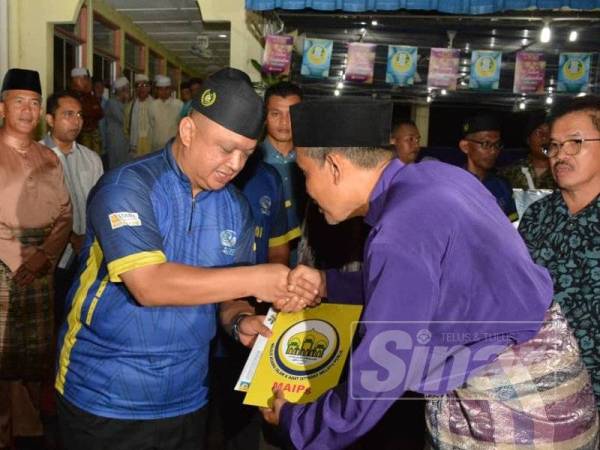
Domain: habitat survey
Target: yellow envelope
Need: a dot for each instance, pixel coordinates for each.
(305, 355)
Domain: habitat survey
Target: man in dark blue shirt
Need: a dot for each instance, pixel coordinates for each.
(482, 143)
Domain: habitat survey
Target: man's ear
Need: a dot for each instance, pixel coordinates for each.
(187, 128)
(464, 146)
(1, 109)
(334, 167)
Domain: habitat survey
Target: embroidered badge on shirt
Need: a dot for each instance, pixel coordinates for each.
(124, 219)
(228, 241)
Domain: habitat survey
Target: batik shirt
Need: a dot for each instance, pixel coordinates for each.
(118, 358)
(518, 180)
(568, 245)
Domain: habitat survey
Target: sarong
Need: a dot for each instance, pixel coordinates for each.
(26, 320)
(536, 394)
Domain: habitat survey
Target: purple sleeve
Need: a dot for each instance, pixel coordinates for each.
(344, 287)
(401, 286)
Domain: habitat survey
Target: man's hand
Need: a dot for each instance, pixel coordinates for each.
(309, 278)
(250, 327)
(35, 266)
(272, 286)
(271, 415)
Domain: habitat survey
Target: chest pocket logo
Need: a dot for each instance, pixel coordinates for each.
(265, 205)
(228, 241)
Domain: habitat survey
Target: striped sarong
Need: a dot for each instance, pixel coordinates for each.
(26, 320)
(534, 395)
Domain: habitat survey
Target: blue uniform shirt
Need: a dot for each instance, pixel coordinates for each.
(117, 358)
(262, 187)
(293, 184)
(503, 193)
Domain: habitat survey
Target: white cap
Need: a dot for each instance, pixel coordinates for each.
(120, 82)
(139, 77)
(80, 72)
(162, 81)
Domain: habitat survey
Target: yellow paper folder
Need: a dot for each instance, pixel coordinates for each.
(305, 355)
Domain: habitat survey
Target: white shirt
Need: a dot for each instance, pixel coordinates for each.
(164, 119)
(82, 168)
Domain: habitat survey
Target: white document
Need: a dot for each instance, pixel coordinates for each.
(249, 369)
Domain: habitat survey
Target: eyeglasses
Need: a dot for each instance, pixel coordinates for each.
(570, 146)
(487, 145)
(70, 115)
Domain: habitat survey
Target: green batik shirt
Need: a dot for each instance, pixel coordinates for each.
(518, 180)
(568, 245)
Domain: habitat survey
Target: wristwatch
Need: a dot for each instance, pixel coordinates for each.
(235, 327)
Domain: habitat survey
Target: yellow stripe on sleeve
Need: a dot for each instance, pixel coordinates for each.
(135, 261)
(287, 237)
(92, 266)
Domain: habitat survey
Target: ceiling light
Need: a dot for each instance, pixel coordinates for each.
(362, 30)
(362, 23)
(444, 92)
(223, 36)
(374, 23)
(336, 92)
(340, 85)
(549, 100)
(546, 34)
(429, 98)
(524, 41)
(573, 36)
(581, 94)
(522, 105)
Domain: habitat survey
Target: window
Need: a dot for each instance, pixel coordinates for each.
(154, 64)
(106, 52)
(175, 74)
(68, 49)
(65, 58)
(134, 55)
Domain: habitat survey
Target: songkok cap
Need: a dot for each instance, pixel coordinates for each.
(162, 81)
(140, 78)
(228, 98)
(335, 122)
(481, 122)
(22, 79)
(534, 121)
(120, 82)
(80, 72)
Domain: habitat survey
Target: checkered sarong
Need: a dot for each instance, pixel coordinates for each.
(534, 395)
(26, 320)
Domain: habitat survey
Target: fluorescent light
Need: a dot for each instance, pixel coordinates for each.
(573, 36)
(581, 94)
(522, 105)
(336, 92)
(222, 35)
(546, 34)
(549, 100)
(374, 23)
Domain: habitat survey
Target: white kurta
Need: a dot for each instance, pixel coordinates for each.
(164, 119)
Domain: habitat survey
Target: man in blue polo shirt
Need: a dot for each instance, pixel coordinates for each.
(278, 151)
(167, 238)
(482, 143)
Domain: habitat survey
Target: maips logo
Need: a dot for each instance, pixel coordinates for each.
(306, 348)
(317, 55)
(208, 98)
(485, 66)
(574, 70)
(228, 240)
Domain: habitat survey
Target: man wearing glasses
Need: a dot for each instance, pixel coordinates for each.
(482, 144)
(561, 230)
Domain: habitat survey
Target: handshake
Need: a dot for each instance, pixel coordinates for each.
(290, 290)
